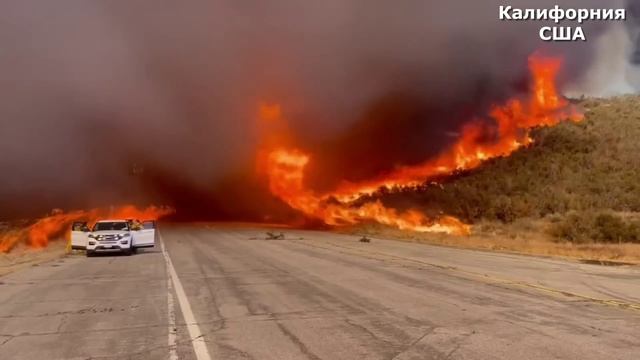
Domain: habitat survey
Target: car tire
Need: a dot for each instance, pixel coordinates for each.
(90, 253)
(128, 252)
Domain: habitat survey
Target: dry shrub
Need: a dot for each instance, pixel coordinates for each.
(588, 227)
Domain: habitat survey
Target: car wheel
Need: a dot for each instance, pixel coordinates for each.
(89, 253)
(128, 252)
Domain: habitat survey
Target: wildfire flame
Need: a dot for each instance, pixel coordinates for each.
(59, 223)
(508, 130)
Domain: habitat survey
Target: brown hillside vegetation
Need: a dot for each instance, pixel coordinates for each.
(577, 183)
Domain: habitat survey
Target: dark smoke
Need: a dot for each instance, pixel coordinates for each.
(154, 101)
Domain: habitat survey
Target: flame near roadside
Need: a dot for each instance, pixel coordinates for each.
(507, 129)
(58, 224)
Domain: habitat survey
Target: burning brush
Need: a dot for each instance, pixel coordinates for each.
(58, 224)
(506, 130)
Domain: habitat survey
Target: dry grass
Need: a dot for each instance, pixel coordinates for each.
(525, 236)
(22, 256)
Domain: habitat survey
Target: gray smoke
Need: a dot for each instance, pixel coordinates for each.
(95, 93)
(615, 68)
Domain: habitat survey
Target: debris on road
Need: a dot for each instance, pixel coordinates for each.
(274, 236)
(365, 239)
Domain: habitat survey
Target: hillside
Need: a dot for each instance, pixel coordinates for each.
(583, 180)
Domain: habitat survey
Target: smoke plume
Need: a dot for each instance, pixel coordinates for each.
(107, 102)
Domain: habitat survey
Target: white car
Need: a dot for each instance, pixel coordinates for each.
(113, 236)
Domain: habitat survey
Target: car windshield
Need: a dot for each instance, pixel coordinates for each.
(111, 226)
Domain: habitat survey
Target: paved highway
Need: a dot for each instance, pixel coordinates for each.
(227, 293)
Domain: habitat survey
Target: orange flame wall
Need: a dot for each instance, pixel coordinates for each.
(59, 223)
(506, 130)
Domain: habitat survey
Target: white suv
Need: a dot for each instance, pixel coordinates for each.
(113, 236)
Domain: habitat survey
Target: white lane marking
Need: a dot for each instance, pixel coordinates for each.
(173, 338)
(197, 338)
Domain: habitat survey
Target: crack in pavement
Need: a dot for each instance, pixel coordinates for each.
(123, 328)
(458, 344)
(228, 348)
(63, 320)
(106, 299)
(415, 342)
(160, 347)
(8, 338)
(89, 310)
(295, 340)
(220, 322)
(369, 332)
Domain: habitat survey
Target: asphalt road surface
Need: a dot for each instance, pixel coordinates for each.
(227, 293)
